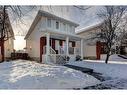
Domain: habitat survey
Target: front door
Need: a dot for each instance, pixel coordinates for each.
(42, 44)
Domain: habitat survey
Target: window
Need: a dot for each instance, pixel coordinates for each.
(64, 27)
(70, 28)
(73, 29)
(49, 22)
(57, 25)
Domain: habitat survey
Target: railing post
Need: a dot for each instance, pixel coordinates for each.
(67, 46)
(82, 48)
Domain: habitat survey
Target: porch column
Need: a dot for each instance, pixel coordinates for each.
(67, 46)
(82, 48)
(47, 45)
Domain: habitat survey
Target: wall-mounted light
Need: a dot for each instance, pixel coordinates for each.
(8, 49)
(30, 48)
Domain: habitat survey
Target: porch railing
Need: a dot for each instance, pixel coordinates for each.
(72, 50)
(51, 50)
(61, 57)
(77, 50)
(62, 50)
(50, 58)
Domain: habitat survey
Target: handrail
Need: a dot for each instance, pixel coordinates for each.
(52, 51)
(52, 56)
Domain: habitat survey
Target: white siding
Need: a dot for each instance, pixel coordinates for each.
(63, 27)
(8, 47)
(89, 50)
(33, 42)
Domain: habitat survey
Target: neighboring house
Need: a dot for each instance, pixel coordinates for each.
(51, 38)
(6, 47)
(123, 44)
(92, 48)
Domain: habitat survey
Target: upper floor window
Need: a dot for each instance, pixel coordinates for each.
(64, 26)
(57, 25)
(70, 28)
(49, 22)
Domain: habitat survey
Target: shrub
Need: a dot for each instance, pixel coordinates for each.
(90, 58)
(78, 58)
(66, 58)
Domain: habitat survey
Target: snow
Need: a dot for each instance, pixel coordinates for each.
(93, 25)
(110, 70)
(21, 74)
(114, 71)
(114, 58)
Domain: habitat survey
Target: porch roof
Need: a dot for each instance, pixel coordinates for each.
(62, 36)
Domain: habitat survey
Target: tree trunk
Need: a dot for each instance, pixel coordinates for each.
(107, 58)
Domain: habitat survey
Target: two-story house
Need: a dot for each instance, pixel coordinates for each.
(52, 38)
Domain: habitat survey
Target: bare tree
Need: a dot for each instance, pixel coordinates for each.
(112, 17)
(5, 31)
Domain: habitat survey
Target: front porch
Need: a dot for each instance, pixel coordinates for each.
(59, 48)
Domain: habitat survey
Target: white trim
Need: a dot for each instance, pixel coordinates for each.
(67, 46)
(82, 48)
(90, 27)
(47, 46)
(61, 33)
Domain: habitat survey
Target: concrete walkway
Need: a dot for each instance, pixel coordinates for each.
(88, 71)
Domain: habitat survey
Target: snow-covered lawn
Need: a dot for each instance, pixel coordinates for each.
(115, 71)
(23, 74)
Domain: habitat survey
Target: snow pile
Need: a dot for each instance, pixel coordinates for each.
(31, 75)
(115, 83)
(114, 57)
(108, 70)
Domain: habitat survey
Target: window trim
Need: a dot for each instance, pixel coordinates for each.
(64, 26)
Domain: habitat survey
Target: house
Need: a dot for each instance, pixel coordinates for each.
(7, 46)
(123, 44)
(51, 39)
(92, 48)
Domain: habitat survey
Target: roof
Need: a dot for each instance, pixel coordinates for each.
(87, 28)
(47, 14)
